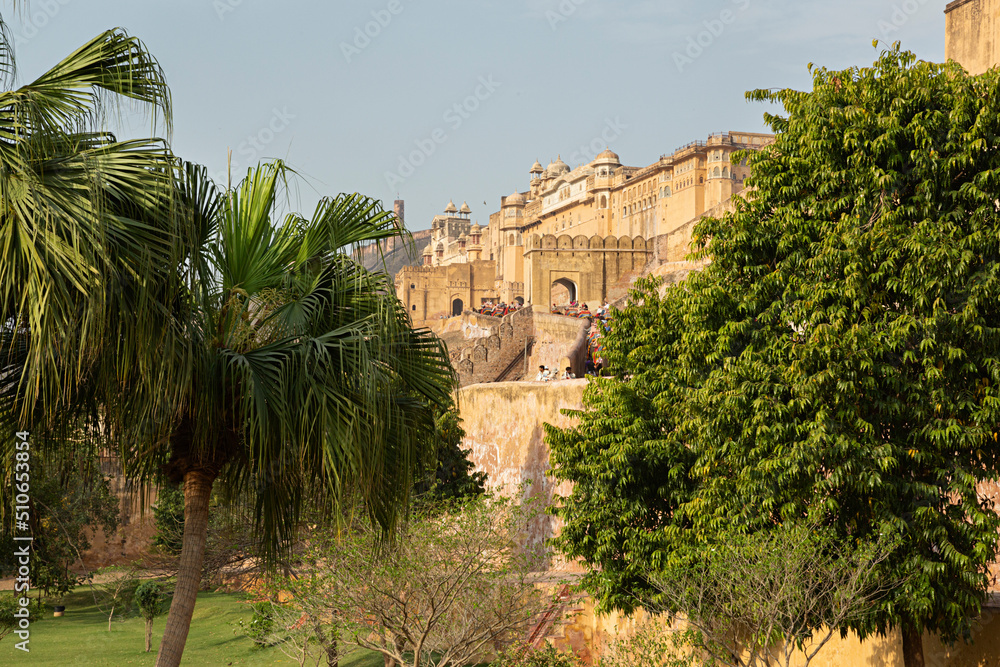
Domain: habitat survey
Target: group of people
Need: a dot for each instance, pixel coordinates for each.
(575, 309)
(545, 374)
(599, 327)
(497, 310)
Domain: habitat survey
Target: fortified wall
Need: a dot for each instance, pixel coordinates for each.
(499, 349)
(434, 292)
(591, 270)
(972, 34)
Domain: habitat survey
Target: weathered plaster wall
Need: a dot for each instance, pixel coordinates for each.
(134, 538)
(503, 425)
(559, 341)
(972, 34)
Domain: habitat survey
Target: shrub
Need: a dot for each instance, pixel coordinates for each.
(149, 598)
(519, 654)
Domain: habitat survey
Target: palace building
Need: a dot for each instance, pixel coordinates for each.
(576, 233)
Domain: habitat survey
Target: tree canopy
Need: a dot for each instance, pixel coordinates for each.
(837, 361)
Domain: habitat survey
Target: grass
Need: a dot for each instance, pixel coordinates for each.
(81, 637)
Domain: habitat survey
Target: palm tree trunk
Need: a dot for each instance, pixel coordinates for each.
(197, 492)
(913, 647)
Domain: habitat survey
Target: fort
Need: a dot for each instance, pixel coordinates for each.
(580, 234)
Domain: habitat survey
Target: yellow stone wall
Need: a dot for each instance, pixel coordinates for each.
(972, 34)
(429, 293)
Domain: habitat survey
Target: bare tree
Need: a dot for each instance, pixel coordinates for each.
(115, 593)
(767, 599)
(456, 585)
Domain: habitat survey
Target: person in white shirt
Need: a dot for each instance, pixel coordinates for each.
(568, 374)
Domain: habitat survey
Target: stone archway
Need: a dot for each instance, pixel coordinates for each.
(457, 307)
(562, 292)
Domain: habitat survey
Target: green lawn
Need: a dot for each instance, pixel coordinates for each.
(81, 637)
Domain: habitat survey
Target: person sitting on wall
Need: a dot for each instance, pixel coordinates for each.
(543, 375)
(568, 374)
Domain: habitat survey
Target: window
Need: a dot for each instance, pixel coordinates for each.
(412, 286)
(414, 307)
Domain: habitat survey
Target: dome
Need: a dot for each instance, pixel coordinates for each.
(428, 250)
(536, 168)
(608, 157)
(450, 208)
(516, 199)
(440, 247)
(557, 168)
(476, 227)
(465, 208)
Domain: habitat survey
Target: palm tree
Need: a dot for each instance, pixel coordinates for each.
(83, 215)
(303, 376)
(203, 338)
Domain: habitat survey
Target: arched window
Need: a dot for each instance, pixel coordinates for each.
(510, 240)
(725, 172)
(716, 172)
(604, 201)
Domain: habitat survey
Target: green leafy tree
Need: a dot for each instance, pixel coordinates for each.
(449, 475)
(9, 608)
(68, 499)
(115, 594)
(519, 654)
(149, 600)
(836, 362)
(168, 515)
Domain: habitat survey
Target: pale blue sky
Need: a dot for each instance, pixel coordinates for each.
(532, 78)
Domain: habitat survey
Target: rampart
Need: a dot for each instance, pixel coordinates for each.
(498, 345)
(495, 349)
(599, 268)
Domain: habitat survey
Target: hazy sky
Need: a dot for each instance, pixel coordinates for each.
(449, 99)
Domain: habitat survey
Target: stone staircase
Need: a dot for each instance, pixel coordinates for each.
(495, 357)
